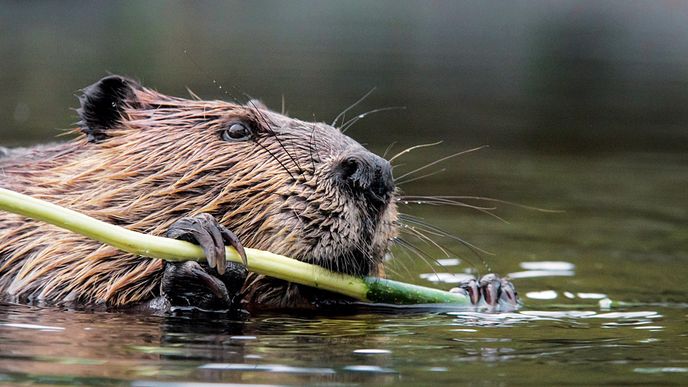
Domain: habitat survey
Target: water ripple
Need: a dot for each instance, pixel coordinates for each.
(267, 368)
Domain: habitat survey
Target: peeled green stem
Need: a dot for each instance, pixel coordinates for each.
(371, 289)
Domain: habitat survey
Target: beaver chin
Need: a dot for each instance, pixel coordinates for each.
(362, 252)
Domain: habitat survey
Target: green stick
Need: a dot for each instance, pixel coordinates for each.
(371, 289)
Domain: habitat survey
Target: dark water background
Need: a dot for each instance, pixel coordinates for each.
(584, 106)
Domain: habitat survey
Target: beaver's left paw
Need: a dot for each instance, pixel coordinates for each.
(491, 288)
(207, 232)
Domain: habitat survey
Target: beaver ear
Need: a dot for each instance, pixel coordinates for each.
(103, 103)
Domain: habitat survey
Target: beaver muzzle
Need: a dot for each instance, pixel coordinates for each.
(369, 175)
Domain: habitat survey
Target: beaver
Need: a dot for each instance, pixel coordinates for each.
(210, 172)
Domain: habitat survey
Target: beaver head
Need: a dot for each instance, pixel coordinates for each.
(296, 188)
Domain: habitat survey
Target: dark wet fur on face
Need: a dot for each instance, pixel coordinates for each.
(156, 159)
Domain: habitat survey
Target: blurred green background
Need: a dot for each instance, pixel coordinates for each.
(547, 76)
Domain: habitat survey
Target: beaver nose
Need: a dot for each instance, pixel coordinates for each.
(368, 174)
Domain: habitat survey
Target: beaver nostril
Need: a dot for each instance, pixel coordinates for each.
(348, 168)
(368, 174)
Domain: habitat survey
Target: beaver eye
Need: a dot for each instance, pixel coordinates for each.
(237, 131)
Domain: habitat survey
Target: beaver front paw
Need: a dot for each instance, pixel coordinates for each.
(189, 284)
(205, 231)
(194, 284)
(491, 288)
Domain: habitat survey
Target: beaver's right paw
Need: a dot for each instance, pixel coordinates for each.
(205, 231)
(491, 288)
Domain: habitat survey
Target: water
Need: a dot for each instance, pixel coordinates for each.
(577, 347)
(583, 105)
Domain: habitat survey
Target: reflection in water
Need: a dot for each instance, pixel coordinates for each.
(73, 346)
(548, 265)
(541, 273)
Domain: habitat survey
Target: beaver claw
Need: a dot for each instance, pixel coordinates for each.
(491, 288)
(205, 230)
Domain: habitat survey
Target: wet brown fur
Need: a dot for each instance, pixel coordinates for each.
(165, 161)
